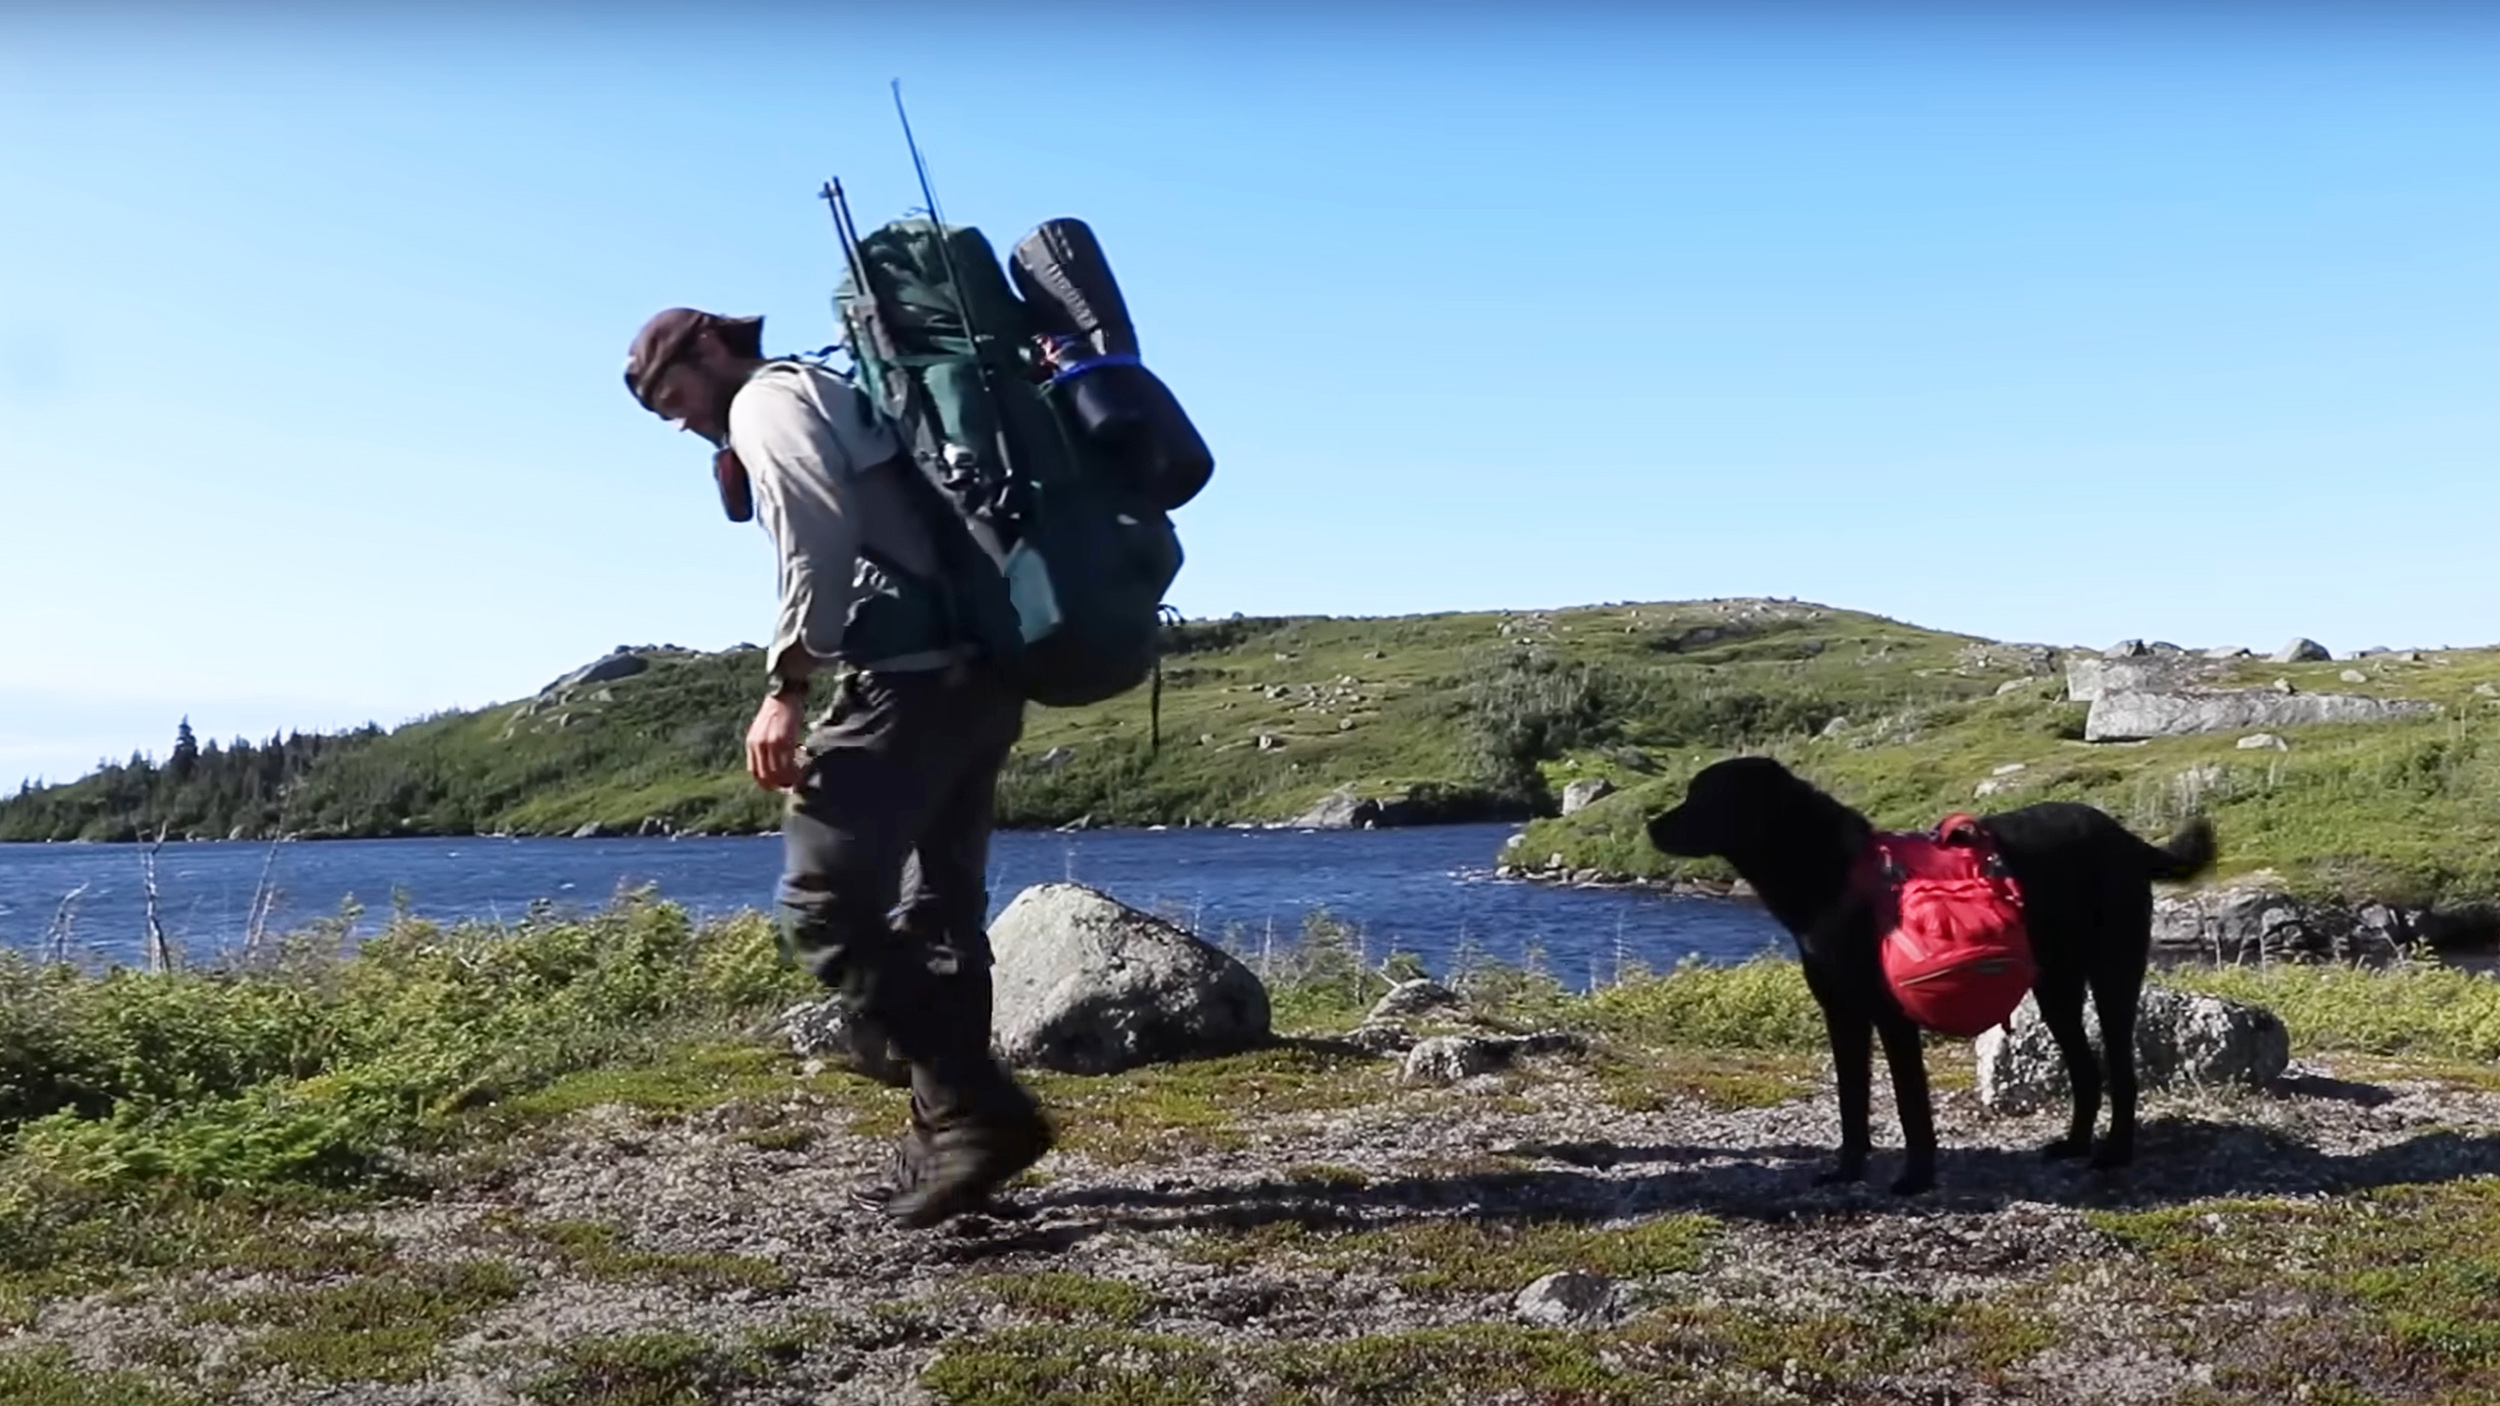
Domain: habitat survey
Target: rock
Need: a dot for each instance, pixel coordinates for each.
(1340, 809)
(2181, 1039)
(2016, 685)
(1993, 786)
(1579, 795)
(592, 831)
(1449, 1059)
(2484, 690)
(2133, 715)
(2007, 769)
(653, 825)
(2263, 741)
(619, 664)
(2252, 919)
(2230, 652)
(1412, 998)
(2089, 678)
(1269, 742)
(1055, 758)
(1087, 985)
(1565, 1300)
(2126, 649)
(2302, 651)
(821, 1032)
(2353, 676)
(1380, 1037)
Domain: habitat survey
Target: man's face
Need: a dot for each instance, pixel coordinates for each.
(691, 393)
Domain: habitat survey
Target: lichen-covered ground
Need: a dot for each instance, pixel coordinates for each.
(1297, 1226)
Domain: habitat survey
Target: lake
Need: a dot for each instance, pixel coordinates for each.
(1429, 890)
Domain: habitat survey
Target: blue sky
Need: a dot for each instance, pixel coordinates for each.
(2067, 327)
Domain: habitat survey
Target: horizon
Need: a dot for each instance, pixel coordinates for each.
(2072, 326)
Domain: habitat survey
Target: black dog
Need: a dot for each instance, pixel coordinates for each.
(2087, 905)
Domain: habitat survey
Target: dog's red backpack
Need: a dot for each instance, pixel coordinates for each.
(1957, 955)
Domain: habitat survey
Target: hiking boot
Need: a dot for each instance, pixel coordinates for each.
(974, 1146)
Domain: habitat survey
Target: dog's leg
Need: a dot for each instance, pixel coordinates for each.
(1853, 1071)
(2115, 999)
(2061, 1008)
(1908, 1061)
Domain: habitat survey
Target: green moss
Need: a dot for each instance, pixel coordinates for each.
(598, 1252)
(1167, 1111)
(2399, 1287)
(381, 1327)
(1061, 1297)
(647, 1369)
(47, 1377)
(1062, 1366)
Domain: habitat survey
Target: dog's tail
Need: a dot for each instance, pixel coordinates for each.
(2186, 854)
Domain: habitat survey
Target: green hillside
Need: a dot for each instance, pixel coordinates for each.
(1442, 717)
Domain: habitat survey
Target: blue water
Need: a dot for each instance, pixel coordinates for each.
(1425, 891)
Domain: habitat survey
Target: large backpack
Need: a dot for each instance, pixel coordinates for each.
(966, 368)
(1955, 952)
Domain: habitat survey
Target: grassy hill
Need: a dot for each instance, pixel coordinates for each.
(1453, 716)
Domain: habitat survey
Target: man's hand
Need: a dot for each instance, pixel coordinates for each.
(773, 742)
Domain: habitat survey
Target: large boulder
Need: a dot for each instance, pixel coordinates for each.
(2181, 1039)
(2132, 714)
(2302, 651)
(1087, 985)
(619, 663)
(1581, 794)
(1340, 809)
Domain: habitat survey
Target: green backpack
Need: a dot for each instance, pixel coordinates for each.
(944, 345)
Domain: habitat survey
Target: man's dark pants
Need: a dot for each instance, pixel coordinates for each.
(884, 891)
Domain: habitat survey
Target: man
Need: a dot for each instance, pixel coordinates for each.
(895, 793)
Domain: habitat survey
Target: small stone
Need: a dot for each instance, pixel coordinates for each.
(2008, 769)
(2353, 676)
(2263, 741)
(1412, 998)
(1448, 1059)
(1566, 1299)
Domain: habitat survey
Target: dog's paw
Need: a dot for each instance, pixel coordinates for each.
(2109, 1157)
(1913, 1183)
(2065, 1148)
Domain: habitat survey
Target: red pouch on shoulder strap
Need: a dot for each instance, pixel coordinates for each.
(1957, 957)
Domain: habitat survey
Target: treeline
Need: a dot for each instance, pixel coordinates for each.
(201, 790)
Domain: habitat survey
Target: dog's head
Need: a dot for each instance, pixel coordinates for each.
(1741, 806)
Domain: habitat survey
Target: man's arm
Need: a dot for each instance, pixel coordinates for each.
(801, 471)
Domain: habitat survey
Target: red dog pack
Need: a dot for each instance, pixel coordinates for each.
(1955, 954)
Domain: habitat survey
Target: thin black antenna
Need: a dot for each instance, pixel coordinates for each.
(954, 279)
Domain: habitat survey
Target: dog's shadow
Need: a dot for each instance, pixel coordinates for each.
(2178, 1160)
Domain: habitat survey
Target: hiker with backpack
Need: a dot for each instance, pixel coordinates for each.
(892, 797)
(974, 517)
